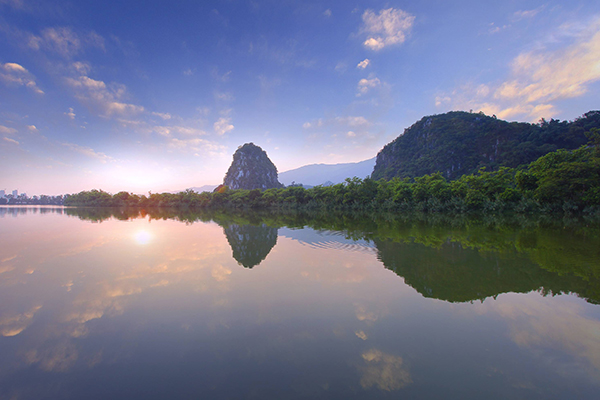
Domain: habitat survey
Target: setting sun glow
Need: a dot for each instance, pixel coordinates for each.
(142, 237)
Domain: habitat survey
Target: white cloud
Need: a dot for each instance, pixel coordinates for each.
(178, 129)
(188, 131)
(203, 110)
(86, 82)
(351, 134)
(223, 125)
(6, 130)
(496, 29)
(88, 152)
(164, 116)
(554, 75)
(226, 112)
(390, 27)
(64, 41)
(163, 130)
(16, 75)
(116, 107)
(196, 146)
(16, 4)
(71, 113)
(537, 80)
(374, 44)
(188, 72)
(11, 140)
(32, 128)
(224, 96)
(441, 100)
(327, 13)
(364, 85)
(225, 77)
(315, 124)
(107, 99)
(352, 121)
(523, 14)
(363, 64)
(12, 67)
(82, 68)
(341, 66)
(268, 84)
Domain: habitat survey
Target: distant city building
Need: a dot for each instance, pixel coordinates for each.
(15, 193)
(2, 193)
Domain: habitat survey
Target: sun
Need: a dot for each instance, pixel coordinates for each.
(142, 237)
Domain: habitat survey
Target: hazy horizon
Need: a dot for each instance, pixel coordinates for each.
(114, 96)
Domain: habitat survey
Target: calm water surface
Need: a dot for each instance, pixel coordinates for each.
(95, 306)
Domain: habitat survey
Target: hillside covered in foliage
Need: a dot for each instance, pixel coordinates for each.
(460, 143)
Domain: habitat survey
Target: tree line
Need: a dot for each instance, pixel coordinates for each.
(560, 181)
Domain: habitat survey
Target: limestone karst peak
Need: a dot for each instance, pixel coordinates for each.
(251, 169)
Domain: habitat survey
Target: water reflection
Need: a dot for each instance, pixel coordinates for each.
(151, 304)
(143, 237)
(23, 210)
(384, 371)
(471, 260)
(250, 243)
(454, 272)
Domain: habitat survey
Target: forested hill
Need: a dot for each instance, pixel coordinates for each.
(459, 143)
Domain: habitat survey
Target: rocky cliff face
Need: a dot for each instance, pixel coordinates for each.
(251, 169)
(459, 143)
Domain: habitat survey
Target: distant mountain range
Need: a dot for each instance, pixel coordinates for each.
(320, 174)
(200, 189)
(315, 174)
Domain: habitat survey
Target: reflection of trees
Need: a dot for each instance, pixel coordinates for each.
(250, 243)
(99, 214)
(441, 256)
(454, 272)
(16, 211)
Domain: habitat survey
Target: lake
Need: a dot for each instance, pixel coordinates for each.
(98, 304)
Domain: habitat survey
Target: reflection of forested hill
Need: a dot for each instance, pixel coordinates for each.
(250, 243)
(453, 259)
(454, 273)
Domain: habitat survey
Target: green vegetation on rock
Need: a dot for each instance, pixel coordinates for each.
(251, 169)
(460, 143)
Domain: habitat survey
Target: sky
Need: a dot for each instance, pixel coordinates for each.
(157, 95)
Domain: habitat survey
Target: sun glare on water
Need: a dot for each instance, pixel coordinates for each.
(142, 237)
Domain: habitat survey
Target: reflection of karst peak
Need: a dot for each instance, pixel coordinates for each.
(250, 243)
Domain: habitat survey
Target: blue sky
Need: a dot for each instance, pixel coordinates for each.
(157, 95)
